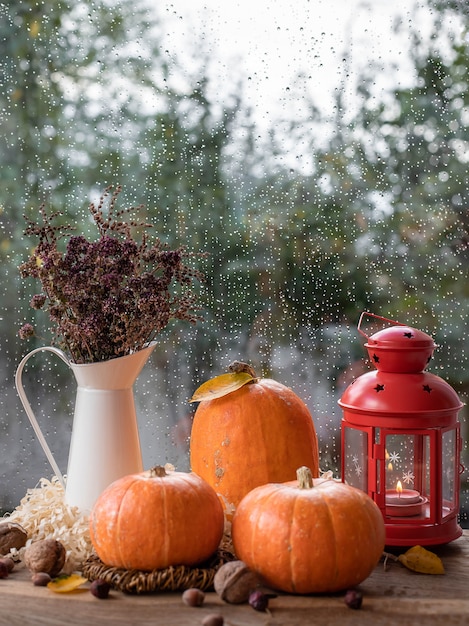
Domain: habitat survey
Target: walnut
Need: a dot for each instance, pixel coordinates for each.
(46, 555)
(11, 536)
(234, 581)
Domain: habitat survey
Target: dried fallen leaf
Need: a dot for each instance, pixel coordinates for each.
(419, 559)
(64, 584)
(221, 386)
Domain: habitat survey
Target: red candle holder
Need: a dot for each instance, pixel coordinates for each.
(401, 438)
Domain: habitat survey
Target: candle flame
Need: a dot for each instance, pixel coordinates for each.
(387, 457)
(399, 487)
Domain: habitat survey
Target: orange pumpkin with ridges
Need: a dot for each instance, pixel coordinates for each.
(319, 536)
(155, 519)
(259, 433)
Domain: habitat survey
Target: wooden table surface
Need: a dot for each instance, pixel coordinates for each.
(390, 596)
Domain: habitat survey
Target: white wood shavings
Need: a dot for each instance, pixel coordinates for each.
(44, 514)
(327, 475)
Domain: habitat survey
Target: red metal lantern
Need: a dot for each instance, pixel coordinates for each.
(401, 438)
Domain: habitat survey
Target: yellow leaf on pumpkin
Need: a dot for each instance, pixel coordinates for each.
(419, 559)
(221, 386)
(64, 584)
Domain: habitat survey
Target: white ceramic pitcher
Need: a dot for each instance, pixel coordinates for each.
(105, 443)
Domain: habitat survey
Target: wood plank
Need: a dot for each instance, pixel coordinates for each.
(392, 596)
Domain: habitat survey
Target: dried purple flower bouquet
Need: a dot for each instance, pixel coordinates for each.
(109, 297)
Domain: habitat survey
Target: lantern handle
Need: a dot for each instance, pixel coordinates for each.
(378, 317)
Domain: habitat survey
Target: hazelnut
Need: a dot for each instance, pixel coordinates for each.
(213, 620)
(259, 600)
(353, 599)
(234, 582)
(6, 560)
(11, 536)
(45, 555)
(100, 589)
(41, 579)
(193, 597)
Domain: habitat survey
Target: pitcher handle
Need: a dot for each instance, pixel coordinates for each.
(27, 406)
(378, 317)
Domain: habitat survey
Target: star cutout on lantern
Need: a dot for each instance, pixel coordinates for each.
(379, 388)
(409, 335)
(375, 358)
(427, 388)
(408, 477)
(394, 457)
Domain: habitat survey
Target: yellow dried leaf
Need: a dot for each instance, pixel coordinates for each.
(419, 559)
(221, 386)
(64, 584)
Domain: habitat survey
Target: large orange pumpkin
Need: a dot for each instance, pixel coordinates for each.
(155, 519)
(259, 433)
(309, 536)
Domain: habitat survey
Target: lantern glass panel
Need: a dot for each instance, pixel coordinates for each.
(449, 468)
(355, 458)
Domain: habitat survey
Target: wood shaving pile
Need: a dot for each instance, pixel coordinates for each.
(44, 515)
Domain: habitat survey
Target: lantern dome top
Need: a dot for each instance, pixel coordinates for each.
(401, 337)
(399, 349)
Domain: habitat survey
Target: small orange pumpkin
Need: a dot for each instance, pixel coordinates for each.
(155, 519)
(258, 433)
(309, 536)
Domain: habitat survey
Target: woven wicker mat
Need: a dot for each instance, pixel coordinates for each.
(174, 578)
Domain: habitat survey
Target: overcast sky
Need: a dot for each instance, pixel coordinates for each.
(267, 43)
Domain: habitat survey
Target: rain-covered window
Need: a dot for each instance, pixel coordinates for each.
(317, 151)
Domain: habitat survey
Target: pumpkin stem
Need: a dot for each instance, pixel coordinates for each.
(238, 366)
(305, 478)
(158, 471)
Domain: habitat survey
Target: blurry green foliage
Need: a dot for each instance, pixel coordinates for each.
(379, 223)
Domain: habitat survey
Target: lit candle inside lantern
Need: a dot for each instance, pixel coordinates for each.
(402, 496)
(403, 502)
